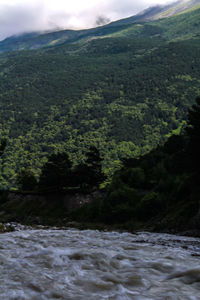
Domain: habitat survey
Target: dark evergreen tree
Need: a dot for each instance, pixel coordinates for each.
(89, 174)
(193, 131)
(80, 176)
(56, 173)
(94, 174)
(26, 180)
(2, 146)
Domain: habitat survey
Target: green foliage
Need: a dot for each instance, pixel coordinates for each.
(56, 173)
(149, 206)
(194, 132)
(26, 180)
(134, 177)
(119, 205)
(89, 175)
(2, 146)
(94, 172)
(159, 185)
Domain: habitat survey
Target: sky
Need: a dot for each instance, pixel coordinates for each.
(21, 16)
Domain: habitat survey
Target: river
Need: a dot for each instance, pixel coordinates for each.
(91, 265)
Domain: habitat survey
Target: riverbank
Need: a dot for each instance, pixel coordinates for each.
(13, 226)
(6, 228)
(48, 222)
(76, 209)
(51, 209)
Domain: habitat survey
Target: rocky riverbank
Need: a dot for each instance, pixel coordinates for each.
(6, 228)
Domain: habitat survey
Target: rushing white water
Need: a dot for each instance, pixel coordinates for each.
(92, 265)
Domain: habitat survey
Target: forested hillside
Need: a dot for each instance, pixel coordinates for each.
(124, 92)
(158, 191)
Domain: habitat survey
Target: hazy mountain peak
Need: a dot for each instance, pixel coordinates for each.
(174, 9)
(160, 11)
(49, 39)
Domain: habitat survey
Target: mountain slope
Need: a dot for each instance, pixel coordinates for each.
(159, 12)
(124, 92)
(50, 39)
(43, 40)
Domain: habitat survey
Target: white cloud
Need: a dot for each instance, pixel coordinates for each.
(19, 16)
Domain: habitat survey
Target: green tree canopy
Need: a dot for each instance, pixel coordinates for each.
(90, 173)
(2, 146)
(56, 173)
(193, 131)
(26, 179)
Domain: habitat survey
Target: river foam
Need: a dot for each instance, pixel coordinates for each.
(88, 265)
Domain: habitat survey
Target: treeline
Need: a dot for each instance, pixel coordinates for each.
(58, 175)
(161, 188)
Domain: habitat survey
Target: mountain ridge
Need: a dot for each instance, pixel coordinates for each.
(37, 40)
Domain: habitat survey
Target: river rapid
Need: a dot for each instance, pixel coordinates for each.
(91, 265)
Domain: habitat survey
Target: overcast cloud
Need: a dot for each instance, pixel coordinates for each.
(20, 16)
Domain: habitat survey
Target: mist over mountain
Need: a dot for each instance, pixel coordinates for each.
(23, 16)
(40, 39)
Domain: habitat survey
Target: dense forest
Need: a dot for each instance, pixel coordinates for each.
(124, 92)
(160, 189)
(156, 191)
